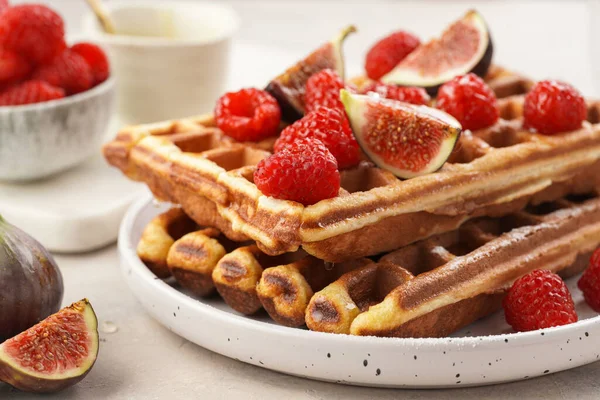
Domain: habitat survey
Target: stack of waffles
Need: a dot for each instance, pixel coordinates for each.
(414, 258)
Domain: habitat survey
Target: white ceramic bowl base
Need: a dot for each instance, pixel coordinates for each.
(469, 358)
(40, 140)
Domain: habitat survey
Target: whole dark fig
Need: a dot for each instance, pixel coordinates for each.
(31, 286)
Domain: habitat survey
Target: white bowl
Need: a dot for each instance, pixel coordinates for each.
(172, 59)
(480, 354)
(42, 139)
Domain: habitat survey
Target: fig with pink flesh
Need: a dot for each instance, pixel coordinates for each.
(288, 88)
(466, 46)
(405, 139)
(31, 286)
(54, 354)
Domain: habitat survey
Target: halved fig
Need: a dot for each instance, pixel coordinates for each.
(54, 354)
(465, 46)
(288, 88)
(405, 139)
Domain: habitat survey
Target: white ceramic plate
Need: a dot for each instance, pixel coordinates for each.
(482, 354)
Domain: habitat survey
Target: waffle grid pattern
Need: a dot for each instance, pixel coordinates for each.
(428, 289)
(492, 172)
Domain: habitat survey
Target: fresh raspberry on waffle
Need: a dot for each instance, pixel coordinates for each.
(388, 52)
(323, 90)
(304, 171)
(553, 107)
(470, 100)
(248, 115)
(539, 300)
(331, 127)
(589, 283)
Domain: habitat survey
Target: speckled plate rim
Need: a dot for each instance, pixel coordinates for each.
(365, 361)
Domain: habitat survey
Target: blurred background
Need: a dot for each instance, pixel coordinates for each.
(538, 38)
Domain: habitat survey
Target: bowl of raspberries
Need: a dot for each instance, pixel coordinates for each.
(56, 99)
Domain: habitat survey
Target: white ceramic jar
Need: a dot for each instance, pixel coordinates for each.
(171, 58)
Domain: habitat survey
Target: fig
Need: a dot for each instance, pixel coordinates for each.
(54, 354)
(288, 88)
(405, 139)
(31, 285)
(465, 46)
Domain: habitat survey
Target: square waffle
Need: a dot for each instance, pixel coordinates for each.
(441, 284)
(430, 288)
(203, 261)
(492, 172)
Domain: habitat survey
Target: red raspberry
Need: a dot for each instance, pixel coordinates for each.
(323, 90)
(248, 115)
(413, 95)
(3, 5)
(305, 172)
(33, 31)
(470, 100)
(13, 68)
(30, 92)
(589, 283)
(539, 300)
(331, 127)
(388, 52)
(96, 59)
(69, 71)
(553, 107)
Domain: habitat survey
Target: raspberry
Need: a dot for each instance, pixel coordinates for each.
(413, 95)
(539, 300)
(323, 90)
(3, 5)
(69, 71)
(331, 127)
(33, 31)
(13, 68)
(304, 171)
(470, 100)
(589, 283)
(553, 107)
(96, 59)
(248, 115)
(30, 92)
(388, 52)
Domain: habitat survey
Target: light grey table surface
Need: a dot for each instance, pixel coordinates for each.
(143, 360)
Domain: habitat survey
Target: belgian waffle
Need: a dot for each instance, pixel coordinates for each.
(440, 284)
(492, 172)
(427, 289)
(202, 259)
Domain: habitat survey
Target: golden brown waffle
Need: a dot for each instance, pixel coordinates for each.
(173, 244)
(158, 237)
(428, 289)
(492, 172)
(441, 284)
(247, 279)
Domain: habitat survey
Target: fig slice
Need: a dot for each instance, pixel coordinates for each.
(465, 46)
(405, 139)
(54, 354)
(288, 88)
